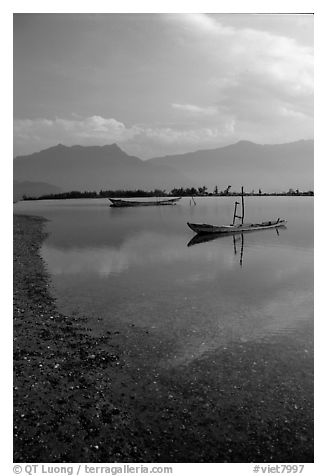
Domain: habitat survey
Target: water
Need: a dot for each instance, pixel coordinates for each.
(214, 340)
(123, 267)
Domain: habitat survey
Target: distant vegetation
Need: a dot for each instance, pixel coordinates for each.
(175, 192)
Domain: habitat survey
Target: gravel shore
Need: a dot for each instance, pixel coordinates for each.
(62, 374)
(82, 397)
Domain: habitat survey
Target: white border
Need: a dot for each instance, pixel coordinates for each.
(140, 6)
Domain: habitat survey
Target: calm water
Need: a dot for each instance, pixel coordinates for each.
(133, 267)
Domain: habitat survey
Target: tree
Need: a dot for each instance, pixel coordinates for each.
(202, 190)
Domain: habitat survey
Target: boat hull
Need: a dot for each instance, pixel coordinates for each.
(206, 229)
(117, 203)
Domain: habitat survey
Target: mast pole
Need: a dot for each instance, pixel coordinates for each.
(235, 209)
(242, 205)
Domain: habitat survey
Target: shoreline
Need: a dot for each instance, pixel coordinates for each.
(82, 397)
(61, 371)
(96, 196)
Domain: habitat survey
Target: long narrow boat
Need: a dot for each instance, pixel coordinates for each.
(206, 229)
(118, 203)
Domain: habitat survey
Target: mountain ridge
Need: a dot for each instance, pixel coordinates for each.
(32, 189)
(94, 168)
(242, 141)
(60, 146)
(114, 145)
(271, 167)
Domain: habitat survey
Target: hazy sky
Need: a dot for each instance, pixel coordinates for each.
(161, 83)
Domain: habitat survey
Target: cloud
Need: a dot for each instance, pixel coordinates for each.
(196, 110)
(76, 128)
(195, 80)
(254, 74)
(246, 84)
(279, 58)
(31, 135)
(141, 139)
(200, 23)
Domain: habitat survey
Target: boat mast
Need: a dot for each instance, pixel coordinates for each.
(235, 210)
(242, 205)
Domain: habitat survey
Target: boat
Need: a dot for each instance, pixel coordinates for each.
(206, 229)
(118, 203)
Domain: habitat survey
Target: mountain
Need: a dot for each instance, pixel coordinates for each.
(95, 168)
(33, 189)
(275, 167)
(269, 167)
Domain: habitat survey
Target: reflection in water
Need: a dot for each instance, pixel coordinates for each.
(131, 267)
(242, 248)
(142, 250)
(204, 238)
(196, 299)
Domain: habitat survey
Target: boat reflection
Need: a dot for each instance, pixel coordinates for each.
(238, 240)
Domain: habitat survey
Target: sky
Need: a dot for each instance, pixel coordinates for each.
(159, 84)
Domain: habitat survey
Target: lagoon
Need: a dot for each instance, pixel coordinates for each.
(217, 327)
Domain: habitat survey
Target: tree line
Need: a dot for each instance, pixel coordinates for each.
(175, 192)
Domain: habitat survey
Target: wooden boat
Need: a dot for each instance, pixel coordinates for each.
(206, 229)
(118, 203)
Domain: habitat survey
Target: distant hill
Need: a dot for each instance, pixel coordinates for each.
(95, 168)
(33, 189)
(269, 167)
